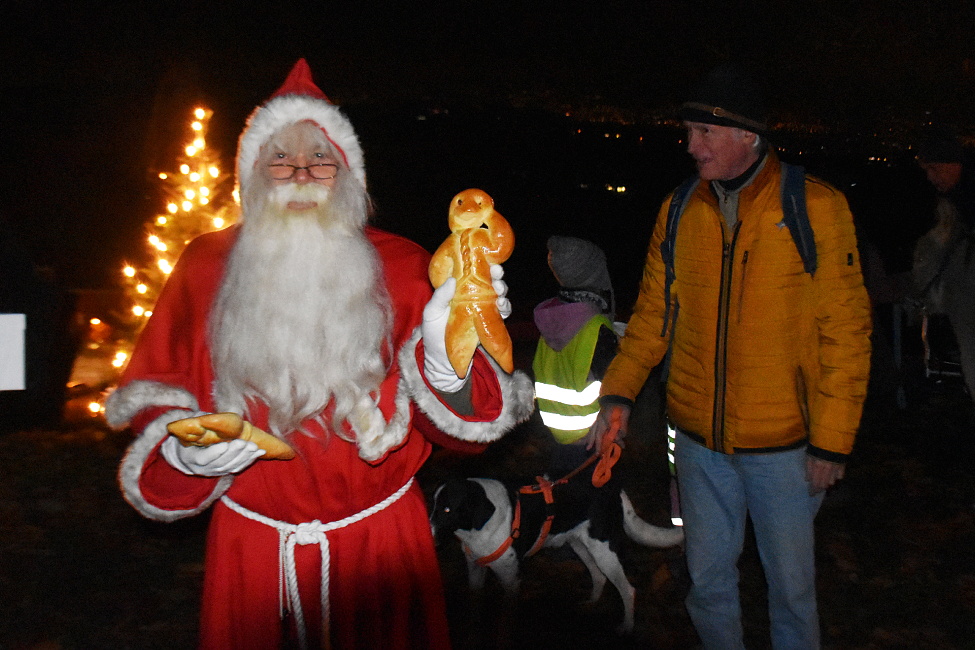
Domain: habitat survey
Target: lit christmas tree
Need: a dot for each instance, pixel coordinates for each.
(197, 201)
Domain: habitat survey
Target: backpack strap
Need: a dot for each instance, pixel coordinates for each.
(795, 216)
(677, 202)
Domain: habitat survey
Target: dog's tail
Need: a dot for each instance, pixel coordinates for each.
(646, 533)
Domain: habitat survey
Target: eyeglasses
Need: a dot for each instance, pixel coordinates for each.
(319, 171)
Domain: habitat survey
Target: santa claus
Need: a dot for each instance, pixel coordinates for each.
(307, 324)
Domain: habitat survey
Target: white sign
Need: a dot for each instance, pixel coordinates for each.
(12, 328)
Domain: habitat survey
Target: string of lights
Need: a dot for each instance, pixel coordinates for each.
(196, 201)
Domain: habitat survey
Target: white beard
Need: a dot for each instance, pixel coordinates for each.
(302, 316)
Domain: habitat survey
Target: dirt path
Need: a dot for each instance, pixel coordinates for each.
(896, 549)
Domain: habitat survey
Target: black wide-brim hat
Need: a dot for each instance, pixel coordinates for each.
(728, 96)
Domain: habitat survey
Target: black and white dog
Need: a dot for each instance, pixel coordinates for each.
(593, 522)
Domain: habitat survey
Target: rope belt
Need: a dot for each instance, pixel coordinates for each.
(312, 532)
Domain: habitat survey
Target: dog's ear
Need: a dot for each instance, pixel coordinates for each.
(482, 509)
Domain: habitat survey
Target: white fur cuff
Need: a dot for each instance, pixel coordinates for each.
(126, 402)
(517, 395)
(135, 459)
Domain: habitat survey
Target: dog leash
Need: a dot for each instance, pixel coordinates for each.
(608, 455)
(506, 544)
(610, 450)
(543, 487)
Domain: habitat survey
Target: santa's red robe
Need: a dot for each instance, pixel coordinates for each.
(384, 588)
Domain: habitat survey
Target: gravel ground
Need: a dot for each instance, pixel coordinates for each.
(896, 547)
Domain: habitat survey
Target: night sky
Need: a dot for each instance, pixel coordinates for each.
(94, 94)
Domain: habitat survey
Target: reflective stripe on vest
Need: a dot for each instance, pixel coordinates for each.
(555, 393)
(568, 397)
(570, 424)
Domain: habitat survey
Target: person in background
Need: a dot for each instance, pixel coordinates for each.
(942, 157)
(306, 323)
(578, 340)
(768, 368)
(942, 281)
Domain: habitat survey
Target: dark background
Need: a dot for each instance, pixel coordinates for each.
(542, 104)
(94, 98)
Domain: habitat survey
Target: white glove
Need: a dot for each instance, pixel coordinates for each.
(217, 459)
(501, 288)
(436, 365)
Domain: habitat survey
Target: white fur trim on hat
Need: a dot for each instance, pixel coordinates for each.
(286, 110)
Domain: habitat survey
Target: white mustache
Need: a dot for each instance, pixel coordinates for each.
(281, 195)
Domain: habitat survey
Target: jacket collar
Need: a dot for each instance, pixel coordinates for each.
(770, 173)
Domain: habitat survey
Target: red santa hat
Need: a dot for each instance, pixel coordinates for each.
(298, 100)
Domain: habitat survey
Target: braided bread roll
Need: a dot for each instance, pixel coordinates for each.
(205, 430)
(479, 237)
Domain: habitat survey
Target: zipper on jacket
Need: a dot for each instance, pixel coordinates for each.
(741, 284)
(721, 342)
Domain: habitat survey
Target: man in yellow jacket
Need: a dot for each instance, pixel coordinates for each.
(768, 368)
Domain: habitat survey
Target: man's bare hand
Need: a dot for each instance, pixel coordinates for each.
(822, 474)
(594, 439)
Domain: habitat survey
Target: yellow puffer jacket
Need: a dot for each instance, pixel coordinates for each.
(765, 356)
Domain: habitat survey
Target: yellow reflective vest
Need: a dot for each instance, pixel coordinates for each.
(567, 397)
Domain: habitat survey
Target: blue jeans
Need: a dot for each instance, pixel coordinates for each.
(717, 493)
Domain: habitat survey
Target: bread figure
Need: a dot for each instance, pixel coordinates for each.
(479, 237)
(212, 428)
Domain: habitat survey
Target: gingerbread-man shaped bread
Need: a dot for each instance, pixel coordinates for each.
(479, 237)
